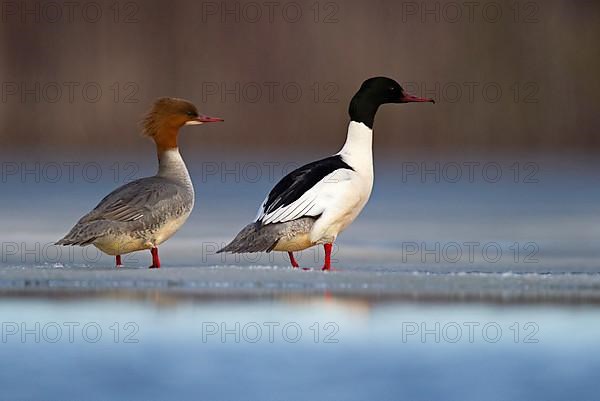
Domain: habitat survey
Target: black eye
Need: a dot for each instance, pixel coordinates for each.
(191, 114)
(392, 88)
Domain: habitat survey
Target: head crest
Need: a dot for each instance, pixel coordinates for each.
(163, 109)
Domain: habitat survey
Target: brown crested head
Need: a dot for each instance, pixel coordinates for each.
(168, 112)
(167, 116)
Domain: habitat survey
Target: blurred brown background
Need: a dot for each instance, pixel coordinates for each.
(507, 75)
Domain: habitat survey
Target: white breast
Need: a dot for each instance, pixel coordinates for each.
(350, 198)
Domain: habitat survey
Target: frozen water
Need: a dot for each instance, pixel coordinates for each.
(266, 281)
(319, 348)
(535, 239)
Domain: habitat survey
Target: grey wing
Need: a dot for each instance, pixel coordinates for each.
(133, 206)
(136, 200)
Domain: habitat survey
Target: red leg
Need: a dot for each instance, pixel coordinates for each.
(327, 265)
(155, 259)
(118, 261)
(293, 260)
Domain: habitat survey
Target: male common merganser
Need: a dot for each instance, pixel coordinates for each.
(146, 212)
(314, 203)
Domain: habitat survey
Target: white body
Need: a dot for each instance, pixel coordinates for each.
(338, 198)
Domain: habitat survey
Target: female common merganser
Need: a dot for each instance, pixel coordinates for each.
(313, 204)
(146, 212)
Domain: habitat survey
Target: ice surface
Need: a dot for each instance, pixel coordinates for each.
(548, 302)
(411, 241)
(266, 281)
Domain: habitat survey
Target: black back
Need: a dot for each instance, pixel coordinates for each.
(373, 93)
(295, 184)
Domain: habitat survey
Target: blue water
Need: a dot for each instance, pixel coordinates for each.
(169, 350)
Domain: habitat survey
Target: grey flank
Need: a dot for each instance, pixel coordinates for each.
(256, 237)
(139, 208)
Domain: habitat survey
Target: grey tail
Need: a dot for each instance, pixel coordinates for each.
(253, 238)
(84, 233)
(75, 240)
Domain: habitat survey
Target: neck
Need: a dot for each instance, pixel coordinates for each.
(166, 138)
(358, 149)
(172, 166)
(363, 110)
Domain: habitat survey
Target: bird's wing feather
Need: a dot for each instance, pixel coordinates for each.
(307, 191)
(134, 200)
